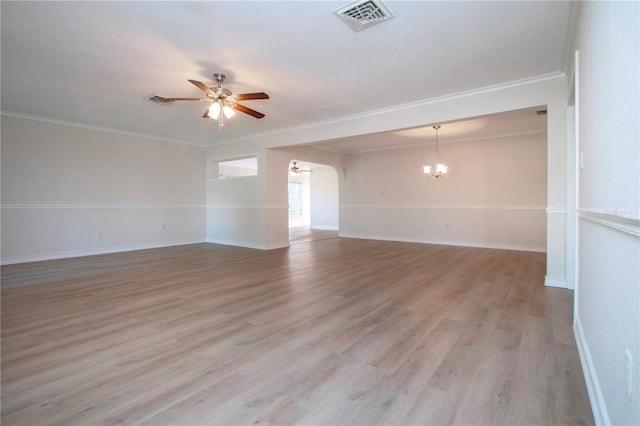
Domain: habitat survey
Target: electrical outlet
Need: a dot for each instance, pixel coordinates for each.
(628, 367)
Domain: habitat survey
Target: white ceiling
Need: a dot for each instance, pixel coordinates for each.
(525, 121)
(95, 62)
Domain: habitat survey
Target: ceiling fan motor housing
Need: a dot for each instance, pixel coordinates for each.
(219, 92)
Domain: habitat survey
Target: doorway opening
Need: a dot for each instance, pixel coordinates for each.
(313, 201)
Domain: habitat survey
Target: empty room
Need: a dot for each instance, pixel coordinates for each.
(314, 213)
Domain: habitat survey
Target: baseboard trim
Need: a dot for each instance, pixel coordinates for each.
(598, 406)
(94, 252)
(250, 245)
(554, 282)
(445, 243)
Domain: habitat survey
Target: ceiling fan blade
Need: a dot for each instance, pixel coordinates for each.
(159, 99)
(250, 96)
(206, 114)
(249, 111)
(200, 85)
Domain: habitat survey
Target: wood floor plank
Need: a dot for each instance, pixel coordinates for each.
(328, 331)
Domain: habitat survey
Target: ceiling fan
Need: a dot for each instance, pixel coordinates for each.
(297, 171)
(223, 102)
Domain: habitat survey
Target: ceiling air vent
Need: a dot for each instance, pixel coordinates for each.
(363, 14)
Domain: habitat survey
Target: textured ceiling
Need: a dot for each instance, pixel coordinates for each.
(95, 62)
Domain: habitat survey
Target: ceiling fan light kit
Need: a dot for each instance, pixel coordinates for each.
(440, 168)
(222, 100)
(215, 108)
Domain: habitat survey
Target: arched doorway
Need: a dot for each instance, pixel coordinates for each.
(313, 201)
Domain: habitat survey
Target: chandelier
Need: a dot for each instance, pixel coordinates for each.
(441, 168)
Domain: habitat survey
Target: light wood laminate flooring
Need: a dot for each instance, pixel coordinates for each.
(304, 234)
(335, 331)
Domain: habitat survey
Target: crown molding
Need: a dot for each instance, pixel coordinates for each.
(399, 107)
(312, 125)
(454, 141)
(93, 127)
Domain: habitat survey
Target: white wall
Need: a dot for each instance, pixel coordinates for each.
(608, 312)
(494, 194)
(269, 221)
(324, 198)
(237, 209)
(73, 191)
